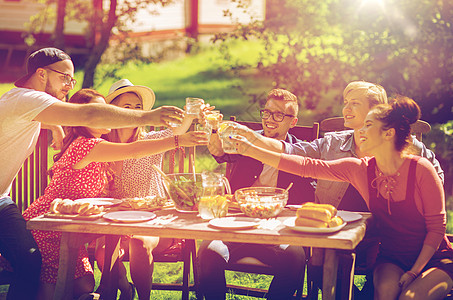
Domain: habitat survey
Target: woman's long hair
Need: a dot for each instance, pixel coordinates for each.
(83, 96)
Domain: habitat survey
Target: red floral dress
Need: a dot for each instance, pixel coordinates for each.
(72, 184)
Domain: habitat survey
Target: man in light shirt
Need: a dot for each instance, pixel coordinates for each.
(36, 103)
(288, 262)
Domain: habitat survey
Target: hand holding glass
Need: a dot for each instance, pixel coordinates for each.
(227, 130)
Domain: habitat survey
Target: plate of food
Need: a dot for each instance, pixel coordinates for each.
(100, 201)
(291, 224)
(129, 216)
(234, 223)
(349, 216)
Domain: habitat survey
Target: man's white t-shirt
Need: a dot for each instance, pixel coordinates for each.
(18, 132)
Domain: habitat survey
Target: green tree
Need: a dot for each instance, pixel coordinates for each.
(313, 47)
(103, 18)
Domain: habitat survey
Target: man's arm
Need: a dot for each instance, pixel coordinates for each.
(57, 135)
(106, 116)
(261, 141)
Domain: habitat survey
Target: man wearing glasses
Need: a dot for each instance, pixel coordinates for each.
(277, 117)
(37, 103)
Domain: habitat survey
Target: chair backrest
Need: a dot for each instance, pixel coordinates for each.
(31, 180)
(179, 160)
(337, 124)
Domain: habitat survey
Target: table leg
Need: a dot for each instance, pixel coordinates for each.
(109, 279)
(69, 250)
(329, 279)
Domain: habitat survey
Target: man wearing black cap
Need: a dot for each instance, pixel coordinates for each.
(36, 103)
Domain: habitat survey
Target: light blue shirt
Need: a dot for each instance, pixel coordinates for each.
(341, 144)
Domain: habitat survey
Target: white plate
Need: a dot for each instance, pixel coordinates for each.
(234, 222)
(291, 221)
(129, 216)
(293, 207)
(101, 201)
(349, 216)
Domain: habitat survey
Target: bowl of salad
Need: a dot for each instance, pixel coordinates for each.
(261, 202)
(184, 189)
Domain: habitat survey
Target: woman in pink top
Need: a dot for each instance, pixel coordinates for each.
(81, 170)
(403, 192)
(136, 177)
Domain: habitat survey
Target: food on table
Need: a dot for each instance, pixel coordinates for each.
(70, 207)
(317, 215)
(211, 207)
(184, 191)
(143, 203)
(261, 202)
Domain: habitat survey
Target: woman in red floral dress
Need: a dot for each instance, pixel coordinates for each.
(81, 171)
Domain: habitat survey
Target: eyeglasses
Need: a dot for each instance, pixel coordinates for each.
(68, 80)
(277, 116)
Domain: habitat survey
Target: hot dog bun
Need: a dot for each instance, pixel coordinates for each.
(331, 208)
(312, 212)
(305, 222)
(317, 215)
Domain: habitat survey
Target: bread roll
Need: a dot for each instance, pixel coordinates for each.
(331, 208)
(65, 206)
(336, 221)
(306, 222)
(54, 205)
(312, 212)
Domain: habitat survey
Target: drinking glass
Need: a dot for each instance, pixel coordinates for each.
(193, 105)
(227, 130)
(213, 118)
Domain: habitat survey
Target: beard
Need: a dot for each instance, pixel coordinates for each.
(51, 91)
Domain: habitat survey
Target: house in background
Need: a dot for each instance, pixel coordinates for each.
(153, 29)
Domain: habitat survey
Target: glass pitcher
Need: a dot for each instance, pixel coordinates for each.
(213, 202)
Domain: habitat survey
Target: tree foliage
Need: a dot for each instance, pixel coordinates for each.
(312, 47)
(104, 19)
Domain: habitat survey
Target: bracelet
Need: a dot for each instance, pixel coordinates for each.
(176, 141)
(412, 274)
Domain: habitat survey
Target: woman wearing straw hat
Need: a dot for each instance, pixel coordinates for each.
(137, 178)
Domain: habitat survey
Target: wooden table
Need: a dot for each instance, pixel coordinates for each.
(190, 226)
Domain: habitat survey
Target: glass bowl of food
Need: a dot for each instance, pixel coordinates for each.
(261, 202)
(185, 190)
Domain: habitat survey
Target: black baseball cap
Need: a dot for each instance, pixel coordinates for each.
(39, 59)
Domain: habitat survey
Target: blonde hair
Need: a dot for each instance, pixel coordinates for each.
(284, 95)
(374, 93)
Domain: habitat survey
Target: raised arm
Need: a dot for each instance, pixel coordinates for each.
(106, 116)
(261, 141)
(107, 151)
(57, 135)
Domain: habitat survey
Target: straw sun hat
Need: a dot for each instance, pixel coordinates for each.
(124, 85)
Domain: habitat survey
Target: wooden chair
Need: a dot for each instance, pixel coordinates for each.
(251, 264)
(180, 161)
(337, 124)
(31, 181)
(27, 186)
(174, 161)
